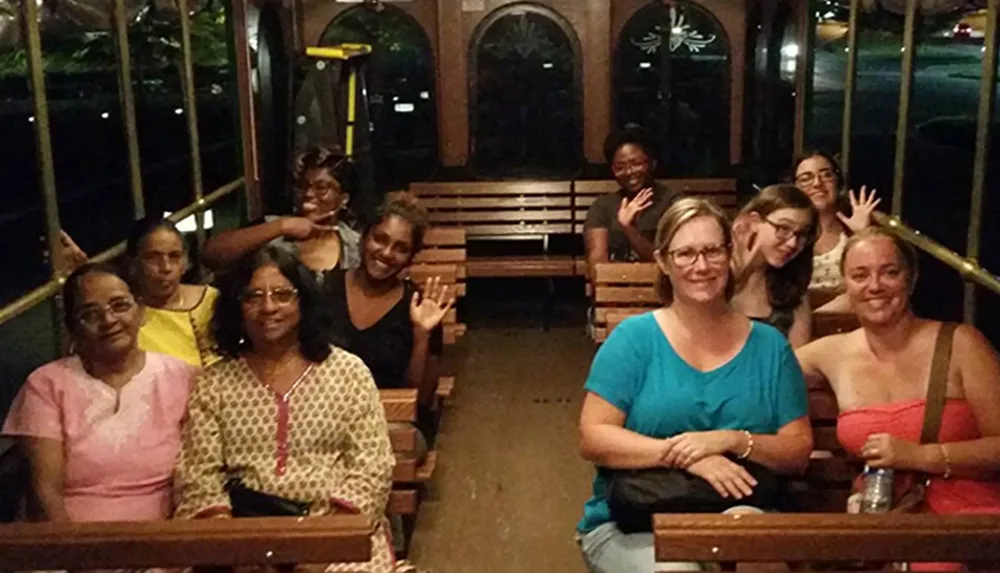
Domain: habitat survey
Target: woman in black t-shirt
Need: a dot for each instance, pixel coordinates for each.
(388, 321)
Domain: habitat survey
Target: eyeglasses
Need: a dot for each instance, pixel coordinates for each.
(281, 296)
(784, 232)
(687, 256)
(808, 178)
(92, 315)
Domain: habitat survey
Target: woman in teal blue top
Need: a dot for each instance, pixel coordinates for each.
(685, 386)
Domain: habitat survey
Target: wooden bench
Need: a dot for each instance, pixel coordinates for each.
(401, 406)
(721, 191)
(621, 290)
(182, 543)
(771, 542)
(505, 210)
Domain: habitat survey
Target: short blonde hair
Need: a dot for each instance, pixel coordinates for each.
(679, 214)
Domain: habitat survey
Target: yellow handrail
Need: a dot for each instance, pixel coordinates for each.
(969, 268)
(48, 290)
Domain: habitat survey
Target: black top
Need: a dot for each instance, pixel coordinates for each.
(780, 318)
(385, 346)
(603, 214)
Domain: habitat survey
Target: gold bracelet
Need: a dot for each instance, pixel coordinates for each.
(947, 462)
(749, 450)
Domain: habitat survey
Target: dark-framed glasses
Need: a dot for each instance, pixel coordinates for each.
(282, 296)
(92, 315)
(808, 178)
(687, 256)
(784, 232)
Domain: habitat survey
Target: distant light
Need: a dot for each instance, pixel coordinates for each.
(790, 50)
(395, 98)
(189, 225)
(829, 15)
(677, 30)
(31, 119)
(425, 95)
(105, 115)
(645, 65)
(547, 65)
(983, 49)
(178, 111)
(403, 108)
(848, 49)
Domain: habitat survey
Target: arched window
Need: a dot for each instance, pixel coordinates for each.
(525, 112)
(400, 90)
(672, 77)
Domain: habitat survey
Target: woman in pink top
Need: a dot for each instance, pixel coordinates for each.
(880, 372)
(101, 428)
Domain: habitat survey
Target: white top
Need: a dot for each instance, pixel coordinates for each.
(826, 267)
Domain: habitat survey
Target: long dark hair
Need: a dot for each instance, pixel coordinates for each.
(786, 286)
(314, 325)
(843, 202)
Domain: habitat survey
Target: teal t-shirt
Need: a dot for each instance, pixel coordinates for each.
(761, 389)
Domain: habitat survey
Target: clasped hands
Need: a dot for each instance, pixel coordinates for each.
(701, 454)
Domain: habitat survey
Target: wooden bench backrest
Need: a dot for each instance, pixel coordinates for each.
(444, 255)
(500, 209)
(621, 290)
(791, 538)
(185, 542)
(722, 191)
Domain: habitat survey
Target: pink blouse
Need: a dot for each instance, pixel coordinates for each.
(905, 420)
(120, 446)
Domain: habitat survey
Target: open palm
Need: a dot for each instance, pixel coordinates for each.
(429, 306)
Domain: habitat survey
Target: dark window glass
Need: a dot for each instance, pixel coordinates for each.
(672, 77)
(526, 107)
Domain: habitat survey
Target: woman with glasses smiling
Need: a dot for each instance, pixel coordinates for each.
(694, 386)
(101, 428)
(773, 238)
(818, 175)
(285, 412)
(317, 234)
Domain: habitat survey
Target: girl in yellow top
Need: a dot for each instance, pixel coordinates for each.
(178, 316)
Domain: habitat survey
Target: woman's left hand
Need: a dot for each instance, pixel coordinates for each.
(428, 308)
(886, 451)
(862, 206)
(685, 449)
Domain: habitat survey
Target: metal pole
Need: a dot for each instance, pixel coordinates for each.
(241, 56)
(191, 111)
(852, 72)
(46, 167)
(803, 75)
(124, 64)
(903, 112)
(987, 93)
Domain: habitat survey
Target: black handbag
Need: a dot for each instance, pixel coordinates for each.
(635, 495)
(246, 502)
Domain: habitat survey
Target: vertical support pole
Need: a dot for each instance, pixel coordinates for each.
(123, 63)
(987, 95)
(248, 131)
(803, 73)
(903, 112)
(43, 145)
(851, 74)
(352, 104)
(191, 111)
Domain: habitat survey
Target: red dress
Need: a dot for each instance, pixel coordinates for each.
(905, 420)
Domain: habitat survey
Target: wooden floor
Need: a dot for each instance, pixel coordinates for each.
(510, 485)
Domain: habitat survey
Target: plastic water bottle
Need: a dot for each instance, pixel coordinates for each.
(877, 494)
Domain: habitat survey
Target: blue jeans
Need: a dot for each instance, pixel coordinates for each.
(607, 550)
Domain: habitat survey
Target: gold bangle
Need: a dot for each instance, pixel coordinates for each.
(749, 450)
(947, 462)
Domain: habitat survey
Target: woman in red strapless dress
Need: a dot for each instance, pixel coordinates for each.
(880, 373)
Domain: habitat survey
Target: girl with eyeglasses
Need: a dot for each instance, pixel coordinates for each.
(818, 175)
(694, 386)
(101, 428)
(317, 234)
(285, 412)
(773, 237)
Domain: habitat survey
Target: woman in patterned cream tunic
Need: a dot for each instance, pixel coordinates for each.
(286, 412)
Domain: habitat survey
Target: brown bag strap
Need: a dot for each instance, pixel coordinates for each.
(937, 385)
